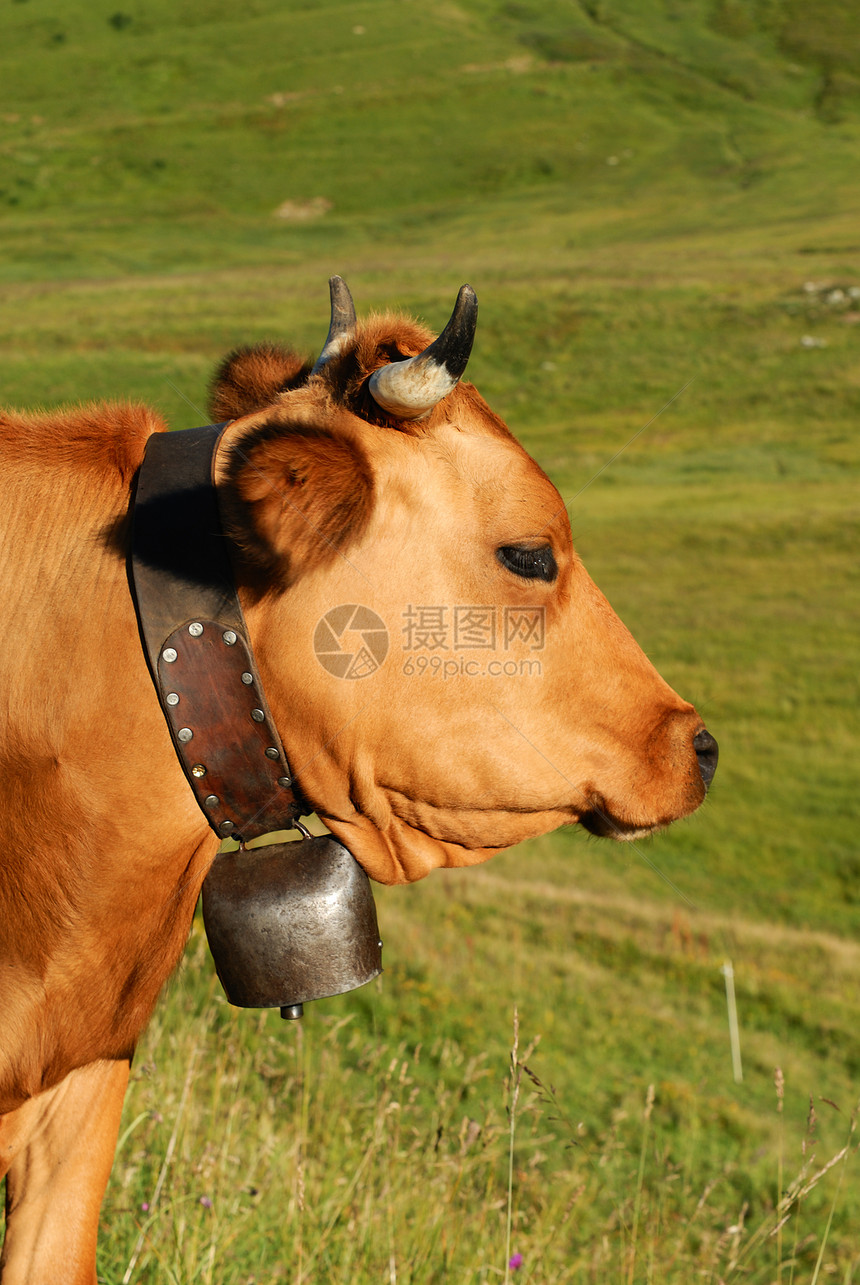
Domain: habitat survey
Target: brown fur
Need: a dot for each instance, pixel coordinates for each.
(296, 496)
(100, 439)
(327, 501)
(81, 852)
(251, 378)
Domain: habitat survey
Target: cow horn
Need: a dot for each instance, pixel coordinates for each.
(411, 388)
(342, 325)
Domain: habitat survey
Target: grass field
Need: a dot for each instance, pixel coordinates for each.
(656, 202)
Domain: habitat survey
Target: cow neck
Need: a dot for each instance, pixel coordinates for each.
(196, 642)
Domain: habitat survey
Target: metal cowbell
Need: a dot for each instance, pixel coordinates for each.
(289, 923)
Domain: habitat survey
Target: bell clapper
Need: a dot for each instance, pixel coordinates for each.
(292, 1012)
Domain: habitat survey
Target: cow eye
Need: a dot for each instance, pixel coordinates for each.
(530, 564)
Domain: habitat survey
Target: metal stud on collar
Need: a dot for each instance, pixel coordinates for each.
(208, 672)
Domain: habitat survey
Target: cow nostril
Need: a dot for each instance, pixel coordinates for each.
(707, 752)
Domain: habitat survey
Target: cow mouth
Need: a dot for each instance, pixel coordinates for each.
(597, 821)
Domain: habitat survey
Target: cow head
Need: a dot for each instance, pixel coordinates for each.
(446, 677)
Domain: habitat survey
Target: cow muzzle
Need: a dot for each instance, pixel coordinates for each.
(289, 923)
(603, 817)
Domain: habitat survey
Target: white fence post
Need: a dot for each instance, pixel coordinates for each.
(734, 1035)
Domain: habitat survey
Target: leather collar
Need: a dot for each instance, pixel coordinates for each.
(196, 642)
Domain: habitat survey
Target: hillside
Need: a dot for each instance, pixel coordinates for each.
(159, 136)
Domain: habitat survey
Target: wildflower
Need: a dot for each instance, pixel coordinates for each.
(145, 1206)
(516, 1262)
(206, 1202)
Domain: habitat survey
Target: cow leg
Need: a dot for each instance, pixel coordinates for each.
(61, 1146)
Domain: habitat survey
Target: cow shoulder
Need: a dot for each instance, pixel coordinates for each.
(105, 439)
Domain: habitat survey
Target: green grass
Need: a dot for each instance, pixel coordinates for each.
(655, 203)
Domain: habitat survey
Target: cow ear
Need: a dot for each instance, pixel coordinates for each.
(296, 498)
(250, 379)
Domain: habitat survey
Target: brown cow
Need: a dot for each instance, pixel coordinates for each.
(370, 479)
